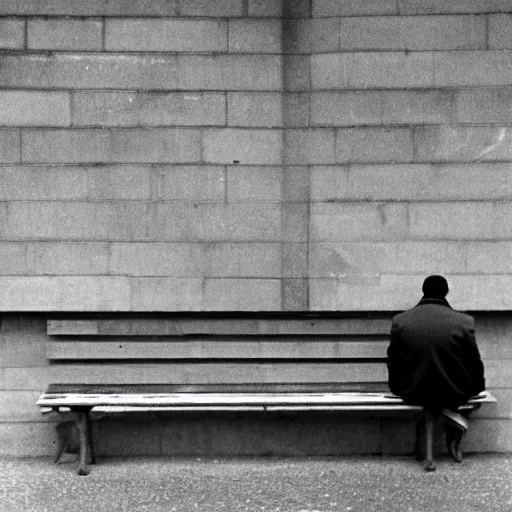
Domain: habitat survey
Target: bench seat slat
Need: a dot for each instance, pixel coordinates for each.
(229, 399)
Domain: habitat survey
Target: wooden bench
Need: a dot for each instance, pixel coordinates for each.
(261, 364)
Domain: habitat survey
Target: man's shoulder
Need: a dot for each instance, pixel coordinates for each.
(464, 318)
(419, 311)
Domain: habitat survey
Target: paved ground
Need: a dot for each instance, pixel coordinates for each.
(358, 484)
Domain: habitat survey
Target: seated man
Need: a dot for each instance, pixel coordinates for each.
(433, 359)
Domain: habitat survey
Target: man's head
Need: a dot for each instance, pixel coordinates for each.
(435, 287)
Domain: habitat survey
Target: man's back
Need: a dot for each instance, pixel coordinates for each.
(433, 358)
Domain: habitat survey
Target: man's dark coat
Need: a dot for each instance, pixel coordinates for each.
(433, 359)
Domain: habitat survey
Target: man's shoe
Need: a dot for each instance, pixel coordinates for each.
(454, 438)
(455, 419)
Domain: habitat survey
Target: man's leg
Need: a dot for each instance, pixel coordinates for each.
(430, 419)
(456, 426)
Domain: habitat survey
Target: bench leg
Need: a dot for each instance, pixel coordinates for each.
(420, 432)
(92, 458)
(429, 440)
(85, 448)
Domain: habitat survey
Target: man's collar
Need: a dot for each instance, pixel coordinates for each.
(439, 302)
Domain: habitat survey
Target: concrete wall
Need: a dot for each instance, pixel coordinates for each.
(25, 372)
(253, 155)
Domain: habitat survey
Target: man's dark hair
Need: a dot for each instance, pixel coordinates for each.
(435, 287)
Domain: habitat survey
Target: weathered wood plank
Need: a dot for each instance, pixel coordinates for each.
(204, 349)
(218, 399)
(187, 327)
(211, 373)
(228, 400)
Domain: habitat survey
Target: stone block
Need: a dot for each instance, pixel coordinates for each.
(461, 220)
(166, 294)
(261, 260)
(23, 350)
(311, 35)
(295, 108)
(329, 183)
(235, 222)
(50, 258)
(265, 8)
(254, 184)
(330, 71)
(13, 259)
(125, 182)
(295, 222)
(242, 295)
(370, 70)
(34, 378)
(416, 33)
(347, 108)
(12, 34)
(473, 68)
(230, 72)
(166, 35)
(64, 34)
(263, 109)
(296, 9)
(488, 436)
(28, 108)
(90, 8)
(69, 293)
(242, 146)
(462, 143)
(142, 72)
(296, 184)
(295, 295)
(339, 260)
(489, 257)
(90, 71)
(498, 374)
(138, 145)
(220, 8)
(124, 436)
(295, 260)
(499, 32)
(148, 109)
(391, 70)
(409, 7)
(255, 35)
(205, 183)
(500, 410)
(325, 8)
(359, 145)
(309, 146)
(296, 73)
(10, 146)
(78, 221)
(344, 222)
(272, 434)
(365, 293)
(484, 105)
(157, 259)
(36, 183)
(418, 107)
(36, 439)
(411, 182)
(18, 406)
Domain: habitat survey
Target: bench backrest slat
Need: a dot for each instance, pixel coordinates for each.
(205, 349)
(222, 327)
(304, 350)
